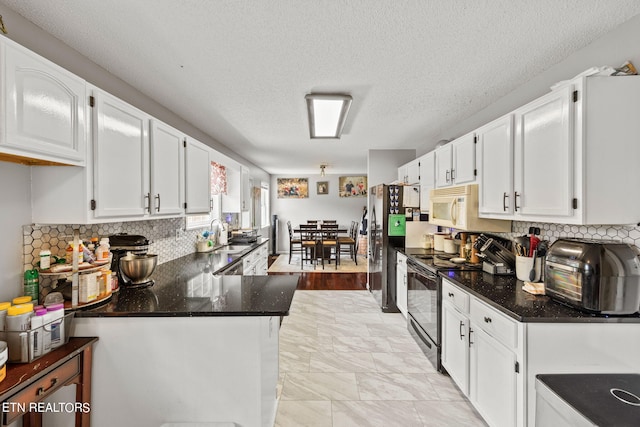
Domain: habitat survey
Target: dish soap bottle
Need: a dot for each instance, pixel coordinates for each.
(31, 285)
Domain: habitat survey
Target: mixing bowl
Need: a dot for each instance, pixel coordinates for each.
(138, 268)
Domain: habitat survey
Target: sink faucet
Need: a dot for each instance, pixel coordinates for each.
(217, 230)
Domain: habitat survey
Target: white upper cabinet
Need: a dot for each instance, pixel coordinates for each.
(121, 158)
(455, 162)
(167, 169)
(43, 117)
(427, 179)
(544, 156)
(495, 167)
(409, 173)
(443, 160)
(198, 177)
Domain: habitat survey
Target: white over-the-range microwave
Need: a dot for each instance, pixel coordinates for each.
(457, 207)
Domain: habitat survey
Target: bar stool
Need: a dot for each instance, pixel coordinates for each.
(308, 242)
(329, 243)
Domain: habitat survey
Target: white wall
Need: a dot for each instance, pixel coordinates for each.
(612, 49)
(328, 206)
(382, 165)
(15, 200)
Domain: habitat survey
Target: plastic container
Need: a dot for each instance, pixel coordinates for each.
(54, 327)
(102, 252)
(104, 283)
(70, 250)
(32, 285)
(3, 316)
(22, 300)
(45, 259)
(4, 356)
(17, 325)
(36, 339)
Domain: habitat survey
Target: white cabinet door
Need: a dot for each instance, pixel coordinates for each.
(544, 156)
(492, 379)
(443, 160)
(44, 108)
(402, 174)
(413, 172)
(455, 353)
(495, 167)
(197, 177)
(167, 169)
(121, 158)
(464, 159)
(401, 283)
(427, 179)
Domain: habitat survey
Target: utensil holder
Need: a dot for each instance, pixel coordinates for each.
(524, 264)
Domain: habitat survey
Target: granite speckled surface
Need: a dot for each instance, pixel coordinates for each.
(187, 286)
(505, 294)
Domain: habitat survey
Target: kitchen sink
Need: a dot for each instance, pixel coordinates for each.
(232, 249)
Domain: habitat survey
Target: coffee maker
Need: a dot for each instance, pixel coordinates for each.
(123, 244)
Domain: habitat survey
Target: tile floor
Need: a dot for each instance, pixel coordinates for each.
(345, 363)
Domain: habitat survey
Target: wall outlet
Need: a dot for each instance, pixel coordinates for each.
(180, 233)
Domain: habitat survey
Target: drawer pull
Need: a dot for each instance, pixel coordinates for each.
(42, 390)
(487, 319)
(451, 295)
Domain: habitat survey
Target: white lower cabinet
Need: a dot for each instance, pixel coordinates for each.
(455, 347)
(255, 263)
(492, 378)
(480, 353)
(401, 283)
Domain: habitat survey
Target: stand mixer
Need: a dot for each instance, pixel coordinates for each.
(131, 262)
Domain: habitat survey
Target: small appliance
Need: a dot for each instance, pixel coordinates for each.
(457, 207)
(123, 245)
(594, 275)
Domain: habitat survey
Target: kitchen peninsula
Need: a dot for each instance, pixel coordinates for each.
(194, 347)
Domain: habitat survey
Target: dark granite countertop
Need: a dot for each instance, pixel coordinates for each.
(505, 294)
(187, 286)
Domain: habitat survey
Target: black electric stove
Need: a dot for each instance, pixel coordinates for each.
(594, 399)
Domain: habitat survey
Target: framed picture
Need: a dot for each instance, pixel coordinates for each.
(353, 186)
(293, 188)
(322, 187)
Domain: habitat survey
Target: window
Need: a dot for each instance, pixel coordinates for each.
(218, 187)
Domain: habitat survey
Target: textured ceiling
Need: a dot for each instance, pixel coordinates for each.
(239, 69)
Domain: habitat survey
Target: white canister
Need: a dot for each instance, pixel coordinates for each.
(438, 241)
(450, 246)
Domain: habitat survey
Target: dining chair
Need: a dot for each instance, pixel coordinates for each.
(329, 244)
(312, 221)
(329, 221)
(295, 244)
(348, 243)
(308, 242)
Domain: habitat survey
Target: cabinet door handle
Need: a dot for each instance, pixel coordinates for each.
(158, 204)
(470, 332)
(211, 204)
(515, 201)
(148, 203)
(487, 319)
(446, 175)
(453, 174)
(505, 196)
(461, 330)
(42, 390)
(451, 295)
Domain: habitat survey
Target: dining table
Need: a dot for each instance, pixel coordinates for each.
(317, 254)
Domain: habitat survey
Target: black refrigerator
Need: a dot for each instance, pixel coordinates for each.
(387, 229)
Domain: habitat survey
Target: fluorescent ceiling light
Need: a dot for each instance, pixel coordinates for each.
(327, 114)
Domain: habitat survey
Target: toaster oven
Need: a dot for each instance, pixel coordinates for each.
(593, 275)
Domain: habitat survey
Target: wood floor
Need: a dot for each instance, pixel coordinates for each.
(331, 281)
